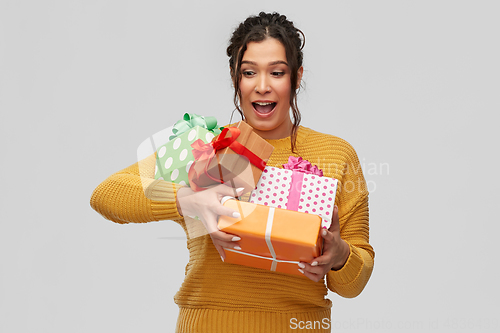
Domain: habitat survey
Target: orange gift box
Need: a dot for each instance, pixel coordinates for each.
(229, 166)
(272, 238)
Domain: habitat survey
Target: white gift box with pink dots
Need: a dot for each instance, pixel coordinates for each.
(298, 191)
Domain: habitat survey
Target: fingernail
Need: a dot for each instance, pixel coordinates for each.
(240, 189)
(315, 263)
(237, 248)
(324, 232)
(236, 215)
(301, 265)
(301, 271)
(221, 258)
(235, 238)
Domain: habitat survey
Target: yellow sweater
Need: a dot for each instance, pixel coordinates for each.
(218, 297)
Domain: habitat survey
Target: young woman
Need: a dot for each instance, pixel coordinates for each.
(265, 59)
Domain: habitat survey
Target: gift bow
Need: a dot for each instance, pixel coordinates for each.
(191, 120)
(206, 151)
(299, 168)
(299, 164)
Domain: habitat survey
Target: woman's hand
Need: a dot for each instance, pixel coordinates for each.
(206, 205)
(336, 251)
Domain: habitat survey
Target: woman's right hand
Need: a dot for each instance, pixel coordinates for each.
(206, 205)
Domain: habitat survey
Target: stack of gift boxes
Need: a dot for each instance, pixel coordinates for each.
(280, 225)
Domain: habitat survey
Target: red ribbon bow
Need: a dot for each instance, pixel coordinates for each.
(205, 152)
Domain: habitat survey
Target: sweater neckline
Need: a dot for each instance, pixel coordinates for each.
(285, 143)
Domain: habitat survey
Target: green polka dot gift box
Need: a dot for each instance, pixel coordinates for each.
(174, 158)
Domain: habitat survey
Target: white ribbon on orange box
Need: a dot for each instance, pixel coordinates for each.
(269, 227)
(273, 264)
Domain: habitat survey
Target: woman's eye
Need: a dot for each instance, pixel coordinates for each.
(278, 73)
(248, 73)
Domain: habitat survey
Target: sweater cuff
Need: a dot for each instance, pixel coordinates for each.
(352, 268)
(163, 196)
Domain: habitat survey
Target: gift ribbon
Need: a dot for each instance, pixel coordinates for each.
(206, 151)
(267, 237)
(294, 195)
(191, 120)
(202, 152)
(301, 165)
(299, 168)
(269, 228)
(275, 261)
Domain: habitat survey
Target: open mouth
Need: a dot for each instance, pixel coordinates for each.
(264, 107)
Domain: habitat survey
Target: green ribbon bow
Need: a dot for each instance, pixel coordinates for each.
(191, 120)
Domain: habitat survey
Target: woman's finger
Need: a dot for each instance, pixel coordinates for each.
(220, 249)
(210, 222)
(227, 245)
(335, 225)
(224, 190)
(310, 275)
(327, 235)
(322, 260)
(220, 244)
(313, 269)
(234, 246)
(222, 236)
(222, 210)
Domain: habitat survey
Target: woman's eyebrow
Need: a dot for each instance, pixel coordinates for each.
(272, 63)
(277, 62)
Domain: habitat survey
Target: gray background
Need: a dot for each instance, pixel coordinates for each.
(411, 85)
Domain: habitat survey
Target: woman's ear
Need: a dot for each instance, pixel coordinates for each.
(299, 76)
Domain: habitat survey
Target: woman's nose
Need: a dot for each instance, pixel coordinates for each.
(262, 86)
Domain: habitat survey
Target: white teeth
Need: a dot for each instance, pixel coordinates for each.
(263, 103)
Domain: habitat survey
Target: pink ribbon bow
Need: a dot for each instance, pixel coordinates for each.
(299, 168)
(299, 164)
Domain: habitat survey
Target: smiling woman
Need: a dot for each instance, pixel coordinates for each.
(272, 44)
(265, 58)
(265, 88)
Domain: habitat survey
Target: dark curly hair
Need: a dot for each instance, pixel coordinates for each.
(256, 29)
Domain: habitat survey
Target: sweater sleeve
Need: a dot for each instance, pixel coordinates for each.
(351, 279)
(133, 195)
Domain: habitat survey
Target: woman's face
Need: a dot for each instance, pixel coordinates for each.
(265, 88)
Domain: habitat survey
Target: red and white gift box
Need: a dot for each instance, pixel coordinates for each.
(300, 187)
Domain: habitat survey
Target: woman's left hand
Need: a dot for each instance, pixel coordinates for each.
(336, 251)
